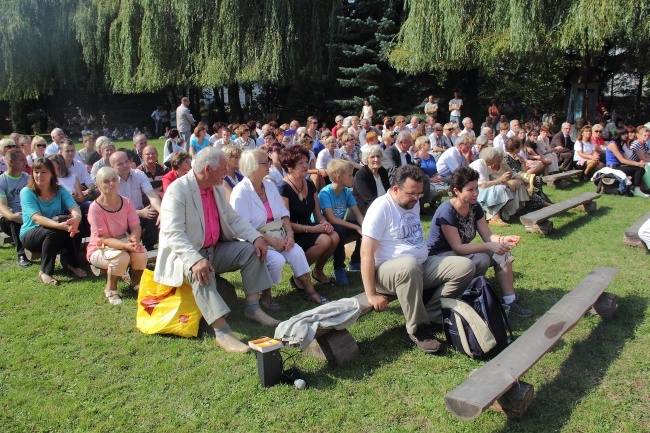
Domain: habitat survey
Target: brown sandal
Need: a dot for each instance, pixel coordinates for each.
(269, 303)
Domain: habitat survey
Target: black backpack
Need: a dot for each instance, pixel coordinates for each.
(609, 184)
(477, 324)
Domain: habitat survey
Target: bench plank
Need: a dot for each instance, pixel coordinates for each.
(631, 235)
(469, 399)
(558, 180)
(534, 220)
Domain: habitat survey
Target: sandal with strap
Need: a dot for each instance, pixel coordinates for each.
(47, 279)
(112, 293)
(78, 272)
(269, 303)
(324, 283)
(315, 298)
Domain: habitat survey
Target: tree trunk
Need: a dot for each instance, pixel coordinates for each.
(235, 104)
(639, 93)
(221, 108)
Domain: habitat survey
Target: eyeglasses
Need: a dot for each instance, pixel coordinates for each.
(417, 195)
(41, 145)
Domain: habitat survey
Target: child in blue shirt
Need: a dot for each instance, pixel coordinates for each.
(335, 200)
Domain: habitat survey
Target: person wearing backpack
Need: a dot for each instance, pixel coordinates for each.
(455, 225)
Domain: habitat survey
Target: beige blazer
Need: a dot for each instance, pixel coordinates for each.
(182, 228)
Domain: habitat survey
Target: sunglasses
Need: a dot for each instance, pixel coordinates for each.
(41, 145)
(10, 146)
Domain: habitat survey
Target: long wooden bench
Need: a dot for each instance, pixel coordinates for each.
(631, 235)
(339, 346)
(558, 180)
(498, 380)
(538, 221)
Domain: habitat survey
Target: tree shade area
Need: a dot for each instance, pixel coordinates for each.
(321, 57)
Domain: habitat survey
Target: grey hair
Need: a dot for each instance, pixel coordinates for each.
(466, 120)
(369, 151)
(482, 140)
(491, 154)
(102, 142)
(209, 156)
(104, 173)
(402, 135)
(56, 131)
(565, 124)
(248, 162)
(462, 139)
(6, 142)
(485, 129)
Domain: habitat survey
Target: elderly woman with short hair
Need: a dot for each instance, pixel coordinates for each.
(502, 192)
(38, 149)
(257, 200)
(115, 235)
(371, 181)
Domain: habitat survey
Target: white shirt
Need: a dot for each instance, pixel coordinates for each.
(324, 158)
(398, 230)
(134, 187)
(499, 142)
(81, 172)
(449, 161)
(456, 113)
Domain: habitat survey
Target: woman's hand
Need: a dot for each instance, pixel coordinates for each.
(289, 242)
(72, 225)
(436, 178)
(505, 177)
(511, 240)
(322, 227)
(498, 248)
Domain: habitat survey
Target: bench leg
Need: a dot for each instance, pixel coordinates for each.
(338, 347)
(542, 227)
(558, 183)
(589, 207)
(516, 401)
(604, 307)
(226, 291)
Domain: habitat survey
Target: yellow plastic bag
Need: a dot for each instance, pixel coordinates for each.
(166, 310)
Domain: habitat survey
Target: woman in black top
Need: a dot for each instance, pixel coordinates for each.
(371, 181)
(318, 240)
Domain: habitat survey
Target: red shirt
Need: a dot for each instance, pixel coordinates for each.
(167, 179)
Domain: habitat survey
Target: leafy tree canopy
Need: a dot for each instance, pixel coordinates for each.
(452, 34)
(135, 46)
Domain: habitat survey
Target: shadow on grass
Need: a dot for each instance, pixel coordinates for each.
(582, 371)
(578, 222)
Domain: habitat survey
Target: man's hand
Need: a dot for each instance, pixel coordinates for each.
(202, 271)
(260, 248)
(378, 302)
(147, 212)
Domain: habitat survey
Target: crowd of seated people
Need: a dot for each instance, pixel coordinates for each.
(305, 191)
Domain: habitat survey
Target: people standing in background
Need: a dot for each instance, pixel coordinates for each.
(455, 105)
(185, 121)
(431, 108)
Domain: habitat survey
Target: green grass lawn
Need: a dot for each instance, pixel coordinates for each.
(72, 362)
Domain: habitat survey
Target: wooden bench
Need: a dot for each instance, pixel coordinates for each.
(558, 180)
(537, 221)
(151, 258)
(36, 255)
(498, 380)
(339, 346)
(631, 235)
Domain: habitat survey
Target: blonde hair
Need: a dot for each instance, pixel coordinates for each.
(420, 142)
(337, 167)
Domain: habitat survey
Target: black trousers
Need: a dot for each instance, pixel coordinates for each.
(49, 242)
(12, 228)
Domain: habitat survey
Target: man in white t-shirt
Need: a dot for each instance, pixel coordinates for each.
(455, 106)
(468, 124)
(395, 260)
(514, 128)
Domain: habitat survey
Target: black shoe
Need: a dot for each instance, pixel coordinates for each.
(436, 328)
(425, 341)
(23, 262)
